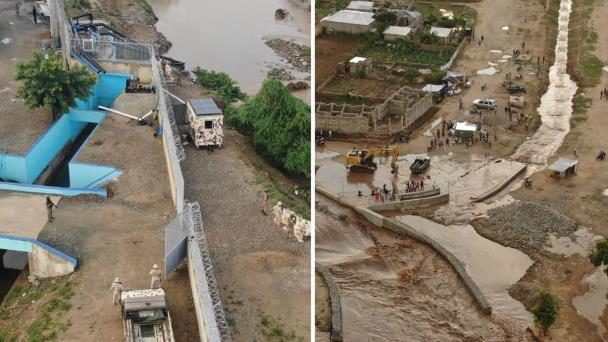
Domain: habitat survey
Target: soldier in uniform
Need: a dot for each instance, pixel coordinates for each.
(116, 290)
(49, 208)
(155, 274)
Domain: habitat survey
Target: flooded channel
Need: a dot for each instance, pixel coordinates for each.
(229, 35)
(556, 104)
(398, 287)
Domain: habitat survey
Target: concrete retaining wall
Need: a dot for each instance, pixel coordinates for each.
(45, 264)
(499, 187)
(334, 297)
(426, 193)
(141, 71)
(406, 231)
(411, 203)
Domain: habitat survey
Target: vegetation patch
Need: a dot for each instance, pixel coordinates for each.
(275, 331)
(585, 66)
(36, 314)
(279, 124)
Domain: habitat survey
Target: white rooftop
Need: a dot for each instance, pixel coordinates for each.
(356, 60)
(399, 30)
(562, 164)
(361, 6)
(465, 126)
(442, 32)
(351, 17)
(432, 88)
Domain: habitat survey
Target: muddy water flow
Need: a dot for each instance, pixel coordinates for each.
(556, 104)
(229, 35)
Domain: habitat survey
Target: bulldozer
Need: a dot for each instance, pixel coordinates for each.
(363, 160)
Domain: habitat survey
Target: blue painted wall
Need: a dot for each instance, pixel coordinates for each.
(26, 169)
(22, 244)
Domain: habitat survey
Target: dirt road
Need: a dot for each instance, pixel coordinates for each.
(263, 276)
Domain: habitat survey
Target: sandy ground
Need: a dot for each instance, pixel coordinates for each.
(23, 214)
(20, 126)
(397, 287)
(122, 143)
(260, 272)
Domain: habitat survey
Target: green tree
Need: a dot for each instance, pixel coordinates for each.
(599, 256)
(225, 87)
(545, 313)
(279, 124)
(47, 83)
(384, 19)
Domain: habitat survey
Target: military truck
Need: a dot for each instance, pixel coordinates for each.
(205, 122)
(145, 316)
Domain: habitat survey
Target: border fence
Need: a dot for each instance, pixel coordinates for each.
(205, 293)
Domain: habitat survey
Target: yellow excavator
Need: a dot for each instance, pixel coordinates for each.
(363, 160)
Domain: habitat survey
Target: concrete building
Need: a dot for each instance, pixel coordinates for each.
(348, 21)
(364, 6)
(359, 66)
(444, 33)
(408, 18)
(397, 32)
(407, 104)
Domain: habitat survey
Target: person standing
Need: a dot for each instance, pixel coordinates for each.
(34, 14)
(116, 291)
(49, 208)
(155, 275)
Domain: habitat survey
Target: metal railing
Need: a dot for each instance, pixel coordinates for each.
(104, 50)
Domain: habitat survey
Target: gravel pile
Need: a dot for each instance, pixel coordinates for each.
(280, 73)
(296, 54)
(527, 225)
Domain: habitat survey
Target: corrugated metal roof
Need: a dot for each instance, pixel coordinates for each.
(351, 17)
(361, 6)
(399, 30)
(205, 107)
(562, 164)
(442, 32)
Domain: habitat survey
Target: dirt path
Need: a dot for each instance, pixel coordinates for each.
(264, 277)
(526, 21)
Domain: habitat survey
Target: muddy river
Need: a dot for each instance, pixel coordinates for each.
(229, 35)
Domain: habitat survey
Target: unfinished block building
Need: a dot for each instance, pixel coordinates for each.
(397, 113)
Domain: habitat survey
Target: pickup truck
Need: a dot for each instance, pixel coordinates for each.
(145, 316)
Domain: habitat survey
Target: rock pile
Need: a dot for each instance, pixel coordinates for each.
(296, 54)
(527, 225)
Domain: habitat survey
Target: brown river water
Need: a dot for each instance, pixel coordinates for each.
(229, 35)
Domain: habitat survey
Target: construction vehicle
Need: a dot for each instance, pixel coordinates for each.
(145, 316)
(363, 160)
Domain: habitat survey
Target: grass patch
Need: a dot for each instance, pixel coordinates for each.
(275, 194)
(275, 331)
(146, 6)
(585, 66)
(36, 314)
